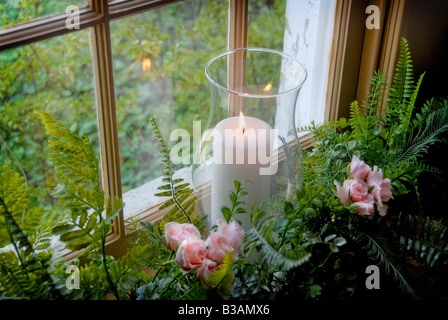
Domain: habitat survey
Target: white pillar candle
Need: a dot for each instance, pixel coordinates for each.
(239, 154)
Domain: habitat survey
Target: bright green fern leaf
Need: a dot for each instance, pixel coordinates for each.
(222, 278)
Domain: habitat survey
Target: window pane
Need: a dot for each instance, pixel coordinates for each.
(159, 58)
(14, 12)
(303, 29)
(266, 24)
(308, 37)
(53, 76)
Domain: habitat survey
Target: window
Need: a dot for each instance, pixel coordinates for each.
(158, 62)
(20, 11)
(53, 76)
(129, 59)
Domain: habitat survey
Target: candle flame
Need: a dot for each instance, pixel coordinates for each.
(242, 122)
(146, 64)
(268, 87)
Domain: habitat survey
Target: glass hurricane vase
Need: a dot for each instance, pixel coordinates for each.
(251, 133)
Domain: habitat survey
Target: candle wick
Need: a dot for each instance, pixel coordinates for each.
(244, 129)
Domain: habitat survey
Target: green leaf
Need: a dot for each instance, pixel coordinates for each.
(72, 235)
(222, 278)
(148, 226)
(91, 222)
(339, 241)
(226, 213)
(334, 247)
(61, 228)
(163, 194)
(79, 244)
(164, 187)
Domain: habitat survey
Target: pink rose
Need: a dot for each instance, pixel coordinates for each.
(385, 192)
(359, 190)
(365, 189)
(353, 190)
(382, 193)
(364, 208)
(176, 233)
(226, 238)
(191, 253)
(233, 231)
(217, 247)
(343, 194)
(359, 169)
(381, 189)
(206, 269)
(382, 209)
(375, 177)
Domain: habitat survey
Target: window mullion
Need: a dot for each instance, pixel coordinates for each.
(45, 28)
(107, 123)
(370, 53)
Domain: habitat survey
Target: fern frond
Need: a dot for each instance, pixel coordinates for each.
(263, 238)
(423, 238)
(402, 85)
(15, 279)
(411, 105)
(357, 122)
(15, 197)
(79, 189)
(424, 133)
(377, 85)
(18, 238)
(375, 252)
(23, 272)
(181, 198)
(401, 130)
(222, 278)
(127, 270)
(73, 156)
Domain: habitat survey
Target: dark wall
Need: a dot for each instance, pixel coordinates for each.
(425, 27)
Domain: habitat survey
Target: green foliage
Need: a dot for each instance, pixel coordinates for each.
(25, 268)
(423, 238)
(376, 252)
(222, 278)
(235, 200)
(30, 270)
(394, 138)
(300, 245)
(394, 135)
(79, 189)
(181, 199)
(265, 236)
